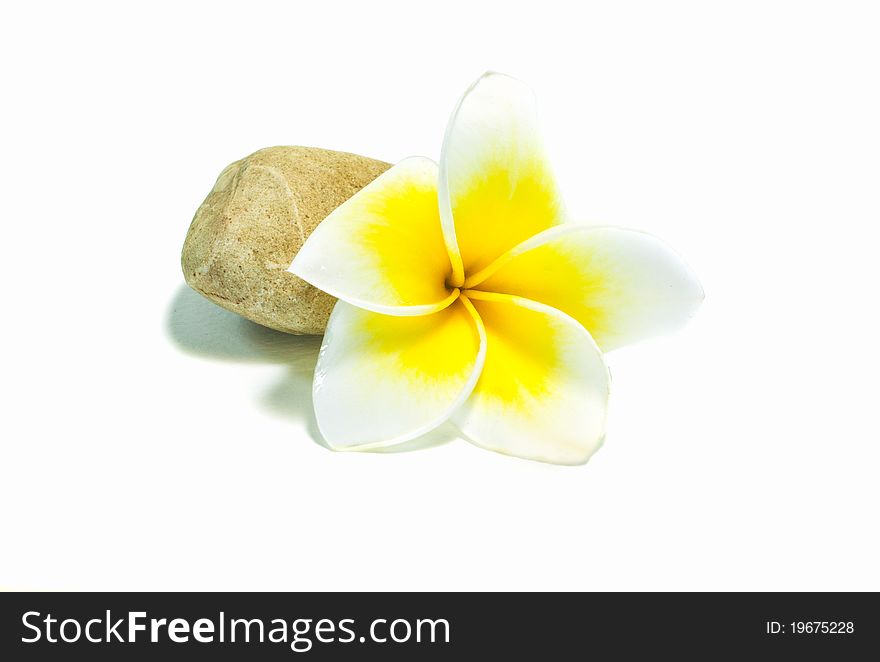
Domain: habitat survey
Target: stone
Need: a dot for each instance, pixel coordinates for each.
(248, 230)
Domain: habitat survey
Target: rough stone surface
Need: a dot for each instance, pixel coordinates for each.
(248, 230)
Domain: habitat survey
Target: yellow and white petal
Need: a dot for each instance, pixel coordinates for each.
(382, 379)
(622, 285)
(383, 248)
(543, 391)
(496, 188)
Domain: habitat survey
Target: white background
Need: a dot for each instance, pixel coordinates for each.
(153, 441)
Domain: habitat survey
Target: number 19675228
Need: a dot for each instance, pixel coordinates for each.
(810, 627)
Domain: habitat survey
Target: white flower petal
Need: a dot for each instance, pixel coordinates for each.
(383, 249)
(496, 187)
(382, 380)
(620, 284)
(543, 391)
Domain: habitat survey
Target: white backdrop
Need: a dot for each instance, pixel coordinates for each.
(153, 441)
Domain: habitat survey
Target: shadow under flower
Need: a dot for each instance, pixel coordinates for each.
(200, 328)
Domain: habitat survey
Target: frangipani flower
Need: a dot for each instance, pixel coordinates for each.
(465, 295)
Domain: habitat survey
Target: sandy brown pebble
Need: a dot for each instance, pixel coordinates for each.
(248, 230)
